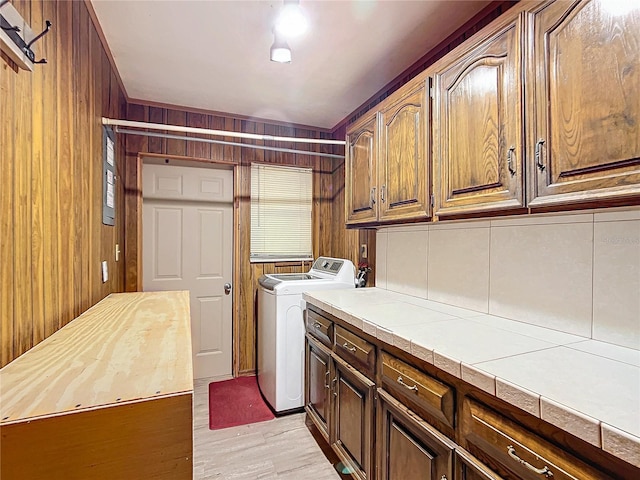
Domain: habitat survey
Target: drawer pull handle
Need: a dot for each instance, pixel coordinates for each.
(317, 325)
(538, 155)
(541, 471)
(351, 349)
(510, 160)
(414, 388)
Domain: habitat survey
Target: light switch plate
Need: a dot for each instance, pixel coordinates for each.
(105, 272)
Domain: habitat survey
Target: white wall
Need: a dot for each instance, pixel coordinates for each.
(574, 272)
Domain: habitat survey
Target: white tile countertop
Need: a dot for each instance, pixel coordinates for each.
(588, 388)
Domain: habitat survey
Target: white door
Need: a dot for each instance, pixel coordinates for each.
(188, 245)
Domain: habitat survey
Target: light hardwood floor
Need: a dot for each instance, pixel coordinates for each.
(278, 449)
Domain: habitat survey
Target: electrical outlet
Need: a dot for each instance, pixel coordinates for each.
(117, 252)
(105, 272)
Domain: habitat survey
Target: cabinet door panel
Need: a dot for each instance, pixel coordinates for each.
(479, 115)
(317, 385)
(361, 172)
(584, 140)
(353, 418)
(404, 188)
(409, 447)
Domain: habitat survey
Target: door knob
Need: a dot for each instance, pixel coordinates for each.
(227, 288)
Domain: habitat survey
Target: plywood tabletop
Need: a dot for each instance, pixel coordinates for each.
(129, 346)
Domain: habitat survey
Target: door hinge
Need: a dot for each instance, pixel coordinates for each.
(433, 200)
(431, 92)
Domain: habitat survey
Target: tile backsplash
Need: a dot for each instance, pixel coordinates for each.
(578, 273)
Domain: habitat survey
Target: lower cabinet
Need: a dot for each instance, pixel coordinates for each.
(408, 447)
(340, 402)
(469, 468)
(318, 359)
(353, 419)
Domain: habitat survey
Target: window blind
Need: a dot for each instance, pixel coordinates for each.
(281, 199)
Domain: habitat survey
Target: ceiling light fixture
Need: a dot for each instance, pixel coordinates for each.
(291, 21)
(280, 51)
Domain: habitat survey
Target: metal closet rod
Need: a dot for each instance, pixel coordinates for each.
(222, 142)
(220, 133)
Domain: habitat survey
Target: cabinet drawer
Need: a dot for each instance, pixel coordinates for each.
(514, 450)
(355, 350)
(320, 327)
(418, 389)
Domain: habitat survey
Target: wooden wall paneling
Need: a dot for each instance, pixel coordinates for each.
(198, 149)
(80, 151)
(176, 147)
(64, 177)
(217, 150)
(7, 256)
(37, 194)
(22, 292)
(49, 173)
(51, 191)
(230, 153)
(244, 331)
(94, 161)
(155, 144)
(133, 200)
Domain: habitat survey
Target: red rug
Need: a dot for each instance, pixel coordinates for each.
(236, 402)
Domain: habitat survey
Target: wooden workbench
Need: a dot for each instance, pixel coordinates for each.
(108, 396)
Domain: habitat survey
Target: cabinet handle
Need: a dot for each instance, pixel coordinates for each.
(382, 190)
(317, 325)
(510, 160)
(326, 383)
(333, 386)
(539, 163)
(401, 382)
(540, 471)
(372, 198)
(351, 349)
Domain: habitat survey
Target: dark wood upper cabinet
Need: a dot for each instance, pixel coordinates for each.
(479, 136)
(584, 80)
(404, 173)
(361, 171)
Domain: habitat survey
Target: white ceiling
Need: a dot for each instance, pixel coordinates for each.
(214, 55)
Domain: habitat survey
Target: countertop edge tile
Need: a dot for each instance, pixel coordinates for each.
(402, 343)
(369, 328)
(518, 396)
(582, 426)
(422, 353)
(621, 444)
(384, 334)
(448, 364)
(479, 378)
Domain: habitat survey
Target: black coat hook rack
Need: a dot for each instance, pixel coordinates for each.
(14, 36)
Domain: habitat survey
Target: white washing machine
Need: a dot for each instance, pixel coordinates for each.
(281, 327)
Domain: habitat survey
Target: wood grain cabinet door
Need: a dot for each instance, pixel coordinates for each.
(317, 380)
(361, 171)
(408, 447)
(404, 173)
(479, 139)
(584, 135)
(353, 418)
